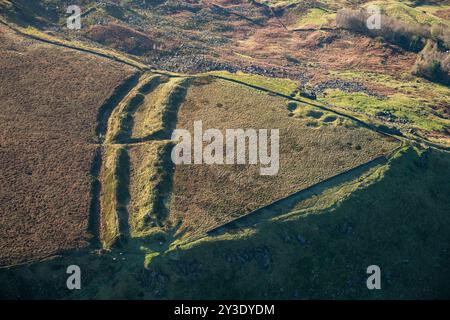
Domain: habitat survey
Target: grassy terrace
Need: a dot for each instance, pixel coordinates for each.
(136, 173)
(109, 202)
(120, 123)
(157, 114)
(149, 187)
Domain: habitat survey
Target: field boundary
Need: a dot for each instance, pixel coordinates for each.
(315, 189)
(143, 67)
(115, 176)
(121, 124)
(231, 12)
(57, 42)
(324, 108)
(85, 13)
(94, 206)
(330, 108)
(105, 111)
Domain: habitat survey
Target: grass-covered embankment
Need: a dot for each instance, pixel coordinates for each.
(325, 254)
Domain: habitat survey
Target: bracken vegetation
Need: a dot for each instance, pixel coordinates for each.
(48, 126)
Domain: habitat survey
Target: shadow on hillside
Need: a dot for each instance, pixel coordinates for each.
(400, 223)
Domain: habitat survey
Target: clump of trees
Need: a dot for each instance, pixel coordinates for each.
(433, 43)
(433, 64)
(441, 35)
(408, 36)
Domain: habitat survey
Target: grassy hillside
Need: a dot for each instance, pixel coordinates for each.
(325, 253)
(313, 147)
(85, 149)
(320, 250)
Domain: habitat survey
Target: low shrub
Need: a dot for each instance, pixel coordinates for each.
(441, 35)
(408, 36)
(433, 64)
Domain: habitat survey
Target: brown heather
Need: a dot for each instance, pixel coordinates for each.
(49, 101)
